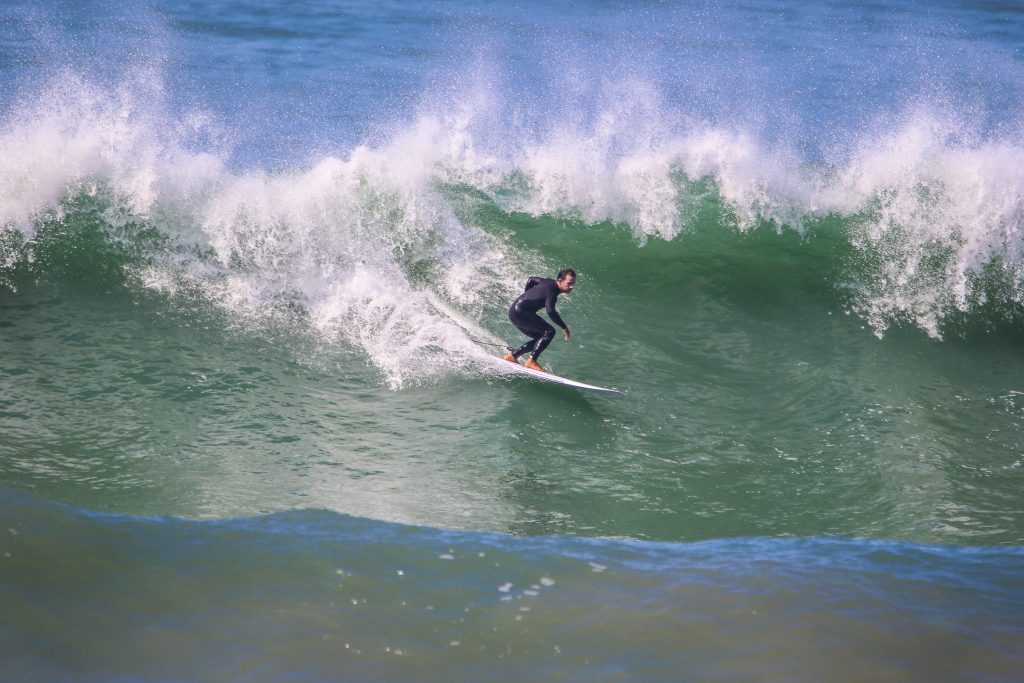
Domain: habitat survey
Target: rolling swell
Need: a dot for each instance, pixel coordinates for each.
(308, 594)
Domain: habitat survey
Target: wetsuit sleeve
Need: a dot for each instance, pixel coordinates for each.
(549, 306)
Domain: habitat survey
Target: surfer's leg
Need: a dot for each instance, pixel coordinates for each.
(534, 327)
(538, 347)
(543, 341)
(525, 348)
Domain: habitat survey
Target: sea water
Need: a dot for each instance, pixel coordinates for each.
(255, 260)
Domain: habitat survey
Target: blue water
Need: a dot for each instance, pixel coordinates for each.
(316, 596)
(254, 265)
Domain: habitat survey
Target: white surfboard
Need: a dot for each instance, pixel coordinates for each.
(548, 377)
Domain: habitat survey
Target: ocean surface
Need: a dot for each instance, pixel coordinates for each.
(255, 263)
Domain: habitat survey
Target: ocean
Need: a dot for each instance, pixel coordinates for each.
(255, 266)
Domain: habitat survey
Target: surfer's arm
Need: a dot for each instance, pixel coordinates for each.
(549, 306)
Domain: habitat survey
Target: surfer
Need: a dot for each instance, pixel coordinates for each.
(540, 292)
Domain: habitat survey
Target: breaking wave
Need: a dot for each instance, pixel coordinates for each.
(371, 244)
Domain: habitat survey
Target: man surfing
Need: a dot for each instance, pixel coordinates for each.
(540, 292)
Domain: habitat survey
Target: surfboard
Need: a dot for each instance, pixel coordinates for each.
(555, 379)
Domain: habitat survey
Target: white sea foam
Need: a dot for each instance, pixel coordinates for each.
(937, 210)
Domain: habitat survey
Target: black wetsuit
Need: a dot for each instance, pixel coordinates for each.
(541, 292)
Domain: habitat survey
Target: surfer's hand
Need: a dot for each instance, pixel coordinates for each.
(565, 334)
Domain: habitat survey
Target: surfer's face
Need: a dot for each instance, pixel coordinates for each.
(566, 283)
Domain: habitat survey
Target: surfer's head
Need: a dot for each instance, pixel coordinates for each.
(566, 279)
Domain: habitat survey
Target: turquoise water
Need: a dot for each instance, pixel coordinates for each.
(254, 268)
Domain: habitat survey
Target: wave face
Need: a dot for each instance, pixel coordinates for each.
(255, 263)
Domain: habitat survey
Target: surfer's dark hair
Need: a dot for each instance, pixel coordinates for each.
(565, 271)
